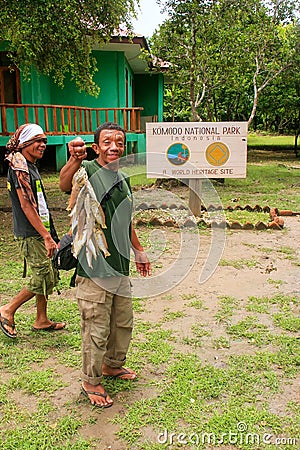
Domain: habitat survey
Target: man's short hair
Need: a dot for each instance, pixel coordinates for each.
(108, 126)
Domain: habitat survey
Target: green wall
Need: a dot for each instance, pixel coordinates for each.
(149, 94)
(130, 85)
(37, 90)
(110, 77)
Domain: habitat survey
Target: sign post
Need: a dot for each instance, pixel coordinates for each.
(195, 188)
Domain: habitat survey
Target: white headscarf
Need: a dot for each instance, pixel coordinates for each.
(29, 132)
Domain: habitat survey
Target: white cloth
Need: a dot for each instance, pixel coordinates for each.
(29, 132)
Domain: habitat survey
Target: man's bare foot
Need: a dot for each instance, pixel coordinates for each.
(96, 394)
(122, 373)
(7, 323)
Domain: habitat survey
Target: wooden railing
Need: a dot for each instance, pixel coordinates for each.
(59, 120)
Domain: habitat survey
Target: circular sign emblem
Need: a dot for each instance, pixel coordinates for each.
(178, 154)
(217, 154)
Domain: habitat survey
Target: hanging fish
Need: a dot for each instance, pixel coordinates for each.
(101, 241)
(98, 212)
(87, 219)
(78, 243)
(79, 180)
(81, 223)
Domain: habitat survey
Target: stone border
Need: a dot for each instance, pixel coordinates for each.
(276, 220)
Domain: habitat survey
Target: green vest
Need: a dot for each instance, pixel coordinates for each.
(113, 191)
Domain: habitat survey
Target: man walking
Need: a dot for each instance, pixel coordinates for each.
(33, 227)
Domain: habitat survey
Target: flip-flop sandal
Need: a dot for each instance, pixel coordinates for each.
(51, 327)
(122, 375)
(4, 321)
(104, 395)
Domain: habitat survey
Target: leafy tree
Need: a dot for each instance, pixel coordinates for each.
(57, 37)
(268, 46)
(176, 108)
(186, 41)
(279, 109)
(224, 53)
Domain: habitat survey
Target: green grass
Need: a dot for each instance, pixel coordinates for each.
(36, 433)
(273, 185)
(35, 382)
(169, 316)
(221, 342)
(287, 322)
(138, 176)
(283, 303)
(203, 401)
(238, 263)
(250, 329)
(276, 283)
(258, 140)
(247, 216)
(227, 307)
(197, 304)
(288, 252)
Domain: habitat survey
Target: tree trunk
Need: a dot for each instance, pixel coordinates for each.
(195, 116)
(255, 98)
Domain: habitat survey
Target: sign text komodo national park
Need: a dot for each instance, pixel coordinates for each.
(196, 149)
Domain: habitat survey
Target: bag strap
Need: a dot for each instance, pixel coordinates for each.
(73, 278)
(120, 178)
(53, 231)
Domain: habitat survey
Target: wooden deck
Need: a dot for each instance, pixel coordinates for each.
(66, 120)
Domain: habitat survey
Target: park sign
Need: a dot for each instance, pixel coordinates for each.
(196, 149)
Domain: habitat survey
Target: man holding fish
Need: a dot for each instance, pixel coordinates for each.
(100, 209)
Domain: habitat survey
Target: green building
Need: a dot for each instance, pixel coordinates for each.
(131, 95)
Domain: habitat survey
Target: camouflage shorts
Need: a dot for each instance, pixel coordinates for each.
(43, 277)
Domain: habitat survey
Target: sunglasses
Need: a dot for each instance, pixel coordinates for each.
(44, 140)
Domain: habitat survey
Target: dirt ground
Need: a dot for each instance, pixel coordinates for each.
(273, 272)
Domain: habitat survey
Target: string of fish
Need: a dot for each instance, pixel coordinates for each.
(87, 219)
